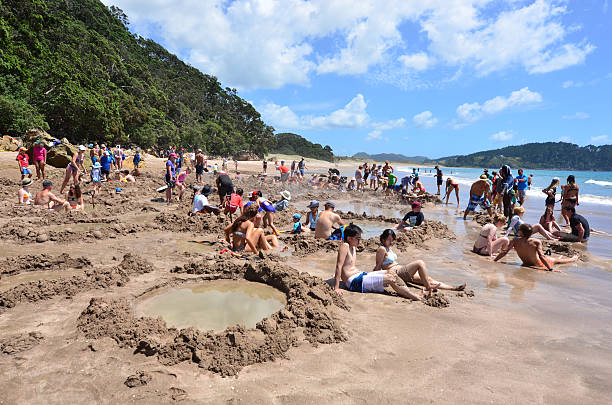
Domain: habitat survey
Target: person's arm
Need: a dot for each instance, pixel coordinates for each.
(490, 238)
(339, 220)
(505, 251)
(56, 200)
(556, 225)
(542, 258)
(420, 219)
(580, 230)
(169, 172)
(380, 257)
(20, 195)
(228, 230)
(307, 219)
(342, 252)
(83, 164)
(513, 223)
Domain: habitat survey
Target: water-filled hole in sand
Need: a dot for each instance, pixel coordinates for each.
(213, 305)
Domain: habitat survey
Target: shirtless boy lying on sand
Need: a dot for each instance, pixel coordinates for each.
(374, 281)
(530, 251)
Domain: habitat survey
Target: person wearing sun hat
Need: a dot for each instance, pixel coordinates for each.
(96, 177)
(313, 215)
(23, 163)
(284, 202)
(297, 224)
(200, 201)
(25, 197)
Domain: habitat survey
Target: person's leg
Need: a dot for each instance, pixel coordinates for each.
(391, 279)
(407, 271)
(466, 212)
(69, 171)
(272, 240)
(43, 169)
(37, 164)
(271, 222)
(499, 244)
(168, 194)
(507, 205)
(563, 260)
(457, 194)
(537, 228)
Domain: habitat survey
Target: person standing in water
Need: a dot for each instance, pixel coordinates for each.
(521, 186)
(451, 185)
(439, 178)
(569, 197)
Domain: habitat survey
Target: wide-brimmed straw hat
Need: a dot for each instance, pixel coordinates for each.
(286, 195)
(313, 203)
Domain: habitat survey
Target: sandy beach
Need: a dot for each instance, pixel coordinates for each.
(69, 284)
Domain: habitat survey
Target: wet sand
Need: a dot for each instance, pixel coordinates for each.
(526, 335)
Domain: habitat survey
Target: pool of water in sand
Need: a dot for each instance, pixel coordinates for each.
(213, 305)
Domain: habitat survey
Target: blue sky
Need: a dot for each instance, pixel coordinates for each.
(434, 78)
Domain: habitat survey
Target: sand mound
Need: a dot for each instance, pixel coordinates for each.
(20, 343)
(437, 300)
(482, 218)
(378, 218)
(563, 248)
(182, 222)
(92, 279)
(137, 380)
(308, 315)
(22, 264)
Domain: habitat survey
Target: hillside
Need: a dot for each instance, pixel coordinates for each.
(548, 155)
(73, 67)
(293, 144)
(392, 157)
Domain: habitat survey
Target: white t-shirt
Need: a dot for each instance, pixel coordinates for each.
(199, 202)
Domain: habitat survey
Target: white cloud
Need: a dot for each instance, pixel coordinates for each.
(472, 112)
(416, 61)
(599, 140)
(577, 116)
(391, 124)
(425, 120)
(374, 135)
(271, 43)
(570, 83)
(352, 115)
(564, 139)
(502, 136)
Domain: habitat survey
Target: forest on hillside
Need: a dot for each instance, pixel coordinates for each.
(73, 68)
(294, 144)
(547, 155)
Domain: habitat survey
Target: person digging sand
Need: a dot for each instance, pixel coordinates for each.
(530, 251)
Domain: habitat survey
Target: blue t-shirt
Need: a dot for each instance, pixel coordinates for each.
(297, 227)
(105, 162)
(521, 185)
(172, 168)
(136, 159)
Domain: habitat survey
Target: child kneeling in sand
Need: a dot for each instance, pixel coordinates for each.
(356, 281)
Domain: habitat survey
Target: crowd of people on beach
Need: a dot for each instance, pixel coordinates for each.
(499, 193)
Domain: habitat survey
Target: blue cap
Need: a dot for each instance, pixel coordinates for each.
(118, 190)
(297, 216)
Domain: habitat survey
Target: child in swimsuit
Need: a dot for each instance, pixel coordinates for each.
(313, 215)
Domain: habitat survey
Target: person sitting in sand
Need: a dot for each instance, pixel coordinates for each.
(313, 215)
(418, 188)
(74, 196)
(242, 235)
(74, 168)
(480, 193)
(451, 184)
(328, 224)
(200, 201)
(487, 243)
(517, 221)
(284, 201)
(547, 220)
(356, 281)
(411, 219)
(180, 183)
(414, 272)
(48, 200)
(126, 177)
(581, 231)
(24, 195)
(530, 251)
(297, 224)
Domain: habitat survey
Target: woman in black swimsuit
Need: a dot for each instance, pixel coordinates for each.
(551, 192)
(570, 196)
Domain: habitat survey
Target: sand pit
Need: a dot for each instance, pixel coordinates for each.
(308, 316)
(19, 343)
(21, 264)
(96, 278)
